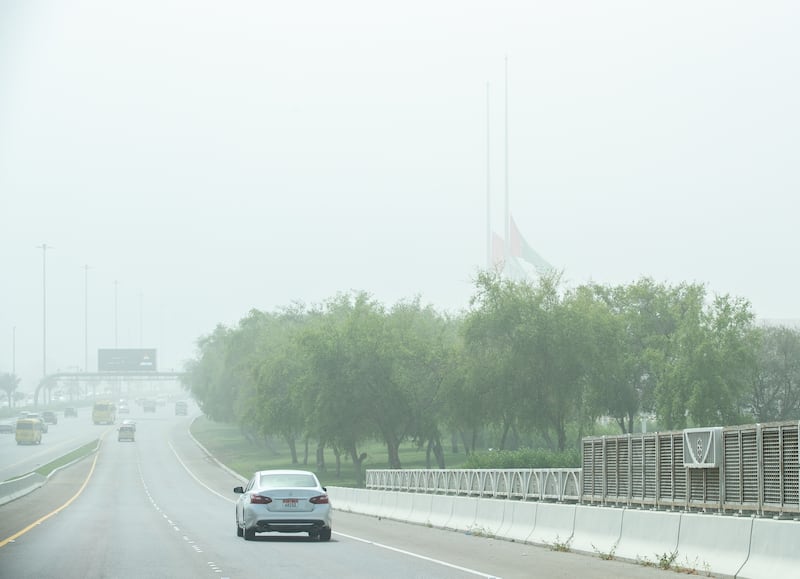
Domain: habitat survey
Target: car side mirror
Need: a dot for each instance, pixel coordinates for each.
(325, 489)
(238, 490)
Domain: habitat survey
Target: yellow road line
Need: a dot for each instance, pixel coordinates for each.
(18, 534)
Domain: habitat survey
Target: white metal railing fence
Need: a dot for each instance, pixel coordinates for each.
(551, 484)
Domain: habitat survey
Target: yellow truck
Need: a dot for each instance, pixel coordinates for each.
(29, 431)
(104, 413)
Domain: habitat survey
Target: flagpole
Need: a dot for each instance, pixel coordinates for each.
(489, 263)
(506, 245)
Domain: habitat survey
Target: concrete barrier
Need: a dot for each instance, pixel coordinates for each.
(341, 498)
(713, 543)
(387, 504)
(14, 489)
(402, 507)
(742, 547)
(367, 502)
(464, 512)
(489, 516)
(774, 550)
(441, 510)
(597, 529)
(647, 535)
(554, 524)
(519, 523)
(420, 508)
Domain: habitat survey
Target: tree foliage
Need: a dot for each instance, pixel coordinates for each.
(526, 364)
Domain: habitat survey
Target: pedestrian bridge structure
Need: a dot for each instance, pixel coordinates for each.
(93, 380)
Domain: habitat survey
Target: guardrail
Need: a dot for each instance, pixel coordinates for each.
(752, 469)
(558, 485)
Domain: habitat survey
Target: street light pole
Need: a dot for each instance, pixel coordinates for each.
(116, 284)
(86, 318)
(44, 247)
(140, 318)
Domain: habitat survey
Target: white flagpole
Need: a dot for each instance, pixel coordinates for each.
(489, 263)
(507, 220)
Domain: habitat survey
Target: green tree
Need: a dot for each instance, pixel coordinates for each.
(646, 314)
(775, 387)
(277, 367)
(207, 377)
(709, 362)
(418, 345)
(8, 384)
(343, 372)
(528, 351)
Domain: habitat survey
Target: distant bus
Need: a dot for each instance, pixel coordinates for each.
(104, 413)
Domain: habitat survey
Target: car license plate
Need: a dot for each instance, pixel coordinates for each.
(290, 503)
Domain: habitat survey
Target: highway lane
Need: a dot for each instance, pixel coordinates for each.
(159, 507)
(60, 439)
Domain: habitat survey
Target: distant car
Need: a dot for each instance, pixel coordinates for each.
(70, 411)
(283, 501)
(6, 428)
(36, 416)
(124, 409)
(128, 422)
(126, 432)
(49, 417)
(149, 406)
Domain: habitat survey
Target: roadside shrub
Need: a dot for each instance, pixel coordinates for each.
(524, 458)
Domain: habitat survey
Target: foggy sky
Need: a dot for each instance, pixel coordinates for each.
(214, 157)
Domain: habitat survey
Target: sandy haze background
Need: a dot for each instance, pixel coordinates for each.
(206, 158)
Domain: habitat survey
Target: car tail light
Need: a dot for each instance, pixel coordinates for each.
(259, 500)
(319, 500)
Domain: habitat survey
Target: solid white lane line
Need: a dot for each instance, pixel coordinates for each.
(418, 556)
(186, 468)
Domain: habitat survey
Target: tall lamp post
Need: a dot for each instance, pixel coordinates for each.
(44, 247)
(116, 343)
(86, 318)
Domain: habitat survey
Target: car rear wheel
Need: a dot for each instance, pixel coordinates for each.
(239, 531)
(249, 534)
(325, 534)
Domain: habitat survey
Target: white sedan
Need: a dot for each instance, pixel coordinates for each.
(283, 501)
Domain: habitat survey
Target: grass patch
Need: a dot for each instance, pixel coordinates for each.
(228, 445)
(81, 452)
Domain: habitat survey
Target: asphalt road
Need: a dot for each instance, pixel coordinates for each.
(60, 439)
(159, 507)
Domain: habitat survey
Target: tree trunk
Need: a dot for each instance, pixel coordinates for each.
(393, 449)
(358, 471)
(292, 448)
(506, 426)
(454, 443)
(621, 424)
(321, 457)
(464, 441)
(428, 454)
(438, 451)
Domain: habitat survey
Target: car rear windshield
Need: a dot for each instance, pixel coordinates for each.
(287, 480)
